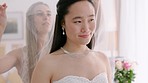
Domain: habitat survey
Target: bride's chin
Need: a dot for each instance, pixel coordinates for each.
(85, 42)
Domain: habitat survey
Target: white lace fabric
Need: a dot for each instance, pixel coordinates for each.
(101, 78)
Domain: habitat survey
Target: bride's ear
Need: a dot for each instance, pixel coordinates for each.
(63, 23)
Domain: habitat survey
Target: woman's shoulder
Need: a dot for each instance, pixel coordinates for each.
(16, 52)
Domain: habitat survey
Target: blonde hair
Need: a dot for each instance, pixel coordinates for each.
(31, 56)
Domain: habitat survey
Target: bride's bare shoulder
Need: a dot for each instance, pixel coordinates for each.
(51, 58)
(101, 55)
(54, 55)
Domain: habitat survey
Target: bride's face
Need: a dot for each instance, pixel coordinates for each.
(80, 22)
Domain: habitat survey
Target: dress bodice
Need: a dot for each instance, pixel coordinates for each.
(101, 78)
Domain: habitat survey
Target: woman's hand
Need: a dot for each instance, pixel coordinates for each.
(3, 18)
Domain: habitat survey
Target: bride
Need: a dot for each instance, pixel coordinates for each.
(71, 59)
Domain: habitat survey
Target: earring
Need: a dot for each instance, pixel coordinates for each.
(63, 31)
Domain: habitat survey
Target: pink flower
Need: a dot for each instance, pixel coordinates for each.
(126, 65)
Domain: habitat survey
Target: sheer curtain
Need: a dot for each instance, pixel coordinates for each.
(127, 20)
(106, 28)
(133, 40)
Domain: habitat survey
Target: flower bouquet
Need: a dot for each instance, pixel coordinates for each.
(124, 71)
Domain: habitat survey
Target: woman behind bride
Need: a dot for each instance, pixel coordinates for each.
(38, 35)
(71, 59)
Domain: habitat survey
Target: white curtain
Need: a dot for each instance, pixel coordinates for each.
(133, 35)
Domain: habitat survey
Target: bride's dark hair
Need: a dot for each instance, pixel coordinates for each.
(59, 39)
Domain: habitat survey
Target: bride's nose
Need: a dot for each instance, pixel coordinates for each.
(85, 27)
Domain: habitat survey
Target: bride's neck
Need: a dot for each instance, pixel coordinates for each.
(75, 48)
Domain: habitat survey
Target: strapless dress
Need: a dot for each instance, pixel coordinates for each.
(101, 78)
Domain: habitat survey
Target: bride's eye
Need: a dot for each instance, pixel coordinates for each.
(91, 20)
(77, 21)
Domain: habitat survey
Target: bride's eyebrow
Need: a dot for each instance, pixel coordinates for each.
(91, 15)
(80, 17)
(77, 17)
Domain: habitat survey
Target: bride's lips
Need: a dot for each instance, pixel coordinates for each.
(84, 36)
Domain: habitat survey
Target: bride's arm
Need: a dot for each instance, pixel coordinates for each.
(107, 64)
(109, 71)
(43, 70)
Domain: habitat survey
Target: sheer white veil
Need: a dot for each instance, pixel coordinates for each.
(105, 25)
(99, 33)
(37, 43)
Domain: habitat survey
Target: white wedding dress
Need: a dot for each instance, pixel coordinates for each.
(101, 78)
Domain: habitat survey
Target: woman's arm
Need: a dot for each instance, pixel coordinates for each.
(8, 61)
(3, 19)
